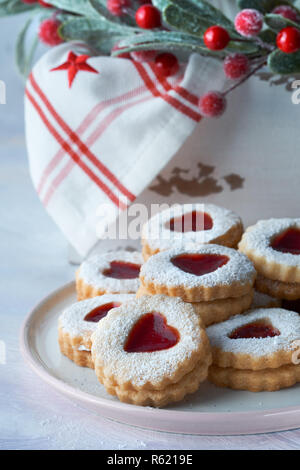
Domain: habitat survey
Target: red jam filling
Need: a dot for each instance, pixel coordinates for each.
(122, 270)
(199, 264)
(192, 222)
(151, 333)
(100, 312)
(258, 329)
(288, 242)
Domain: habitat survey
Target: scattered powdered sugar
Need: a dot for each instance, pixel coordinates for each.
(91, 271)
(287, 322)
(160, 270)
(261, 300)
(72, 319)
(159, 236)
(258, 238)
(139, 368)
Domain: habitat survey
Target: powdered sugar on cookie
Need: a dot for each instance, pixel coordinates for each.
(141, 368)
(91, 272)
(287, 322)
(258, 239)
(160, 270)
(72, 319)
(157, 234)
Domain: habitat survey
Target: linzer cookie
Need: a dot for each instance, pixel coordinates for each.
(274, 247)
(77, 323)
(255, 351)
(198, 273)
(196, 223)
(111, 272)
(151, 351)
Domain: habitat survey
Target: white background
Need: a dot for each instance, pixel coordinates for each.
(34, 260)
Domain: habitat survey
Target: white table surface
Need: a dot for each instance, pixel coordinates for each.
(34, 262)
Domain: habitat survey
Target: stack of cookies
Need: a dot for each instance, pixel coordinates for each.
(217, 280)
(140, 320)
(151, 351)
(256, 351)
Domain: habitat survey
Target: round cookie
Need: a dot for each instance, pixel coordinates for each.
(255, 351)
(112, 272)
(77, 323)
(198, 273)
(196, 223)
(262, 339)
(274, 247)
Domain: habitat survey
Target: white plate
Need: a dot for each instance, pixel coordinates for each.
(210, 411)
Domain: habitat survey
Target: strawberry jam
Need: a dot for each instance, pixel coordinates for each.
(122, 270)
(191, 222)
(258, 329)
(100, 312)
(151, 333)
(287, 242)
(199, 264)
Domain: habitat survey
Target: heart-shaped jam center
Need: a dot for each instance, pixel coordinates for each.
(259, 329)
(192, 222)
(287, 242)
(100, 312)
(122, 270)
(199, 264)
(151, 333)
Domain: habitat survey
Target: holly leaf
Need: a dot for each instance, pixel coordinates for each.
(264, 6)
(99, 33)
(13, 7)
(81, 7)
(165, 40)
(268, 36)
(184, 21)
(277, 22)
(284, 64)
(81, 28)
(204, 11)
(23, 59)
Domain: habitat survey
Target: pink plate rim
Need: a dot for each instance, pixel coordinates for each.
(184, 422)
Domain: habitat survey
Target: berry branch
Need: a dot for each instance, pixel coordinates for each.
(264, 32)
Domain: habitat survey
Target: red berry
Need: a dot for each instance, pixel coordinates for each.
(166, 64)
(287, 12)
(125, 55)
(48, 32)
(117, 7)
(45, 4)
(236, 66)
(288, 39)
(249, 22)
(212, 104)
(148, 17)
(143, 56)
(216, 38)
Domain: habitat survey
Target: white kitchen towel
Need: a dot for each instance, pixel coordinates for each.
(95, 145)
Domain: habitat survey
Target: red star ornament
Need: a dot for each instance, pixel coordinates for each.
(73, 64)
